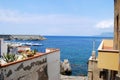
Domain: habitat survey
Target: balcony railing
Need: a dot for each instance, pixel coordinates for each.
(108, 58)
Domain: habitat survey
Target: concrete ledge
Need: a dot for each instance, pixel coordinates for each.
(117, 77)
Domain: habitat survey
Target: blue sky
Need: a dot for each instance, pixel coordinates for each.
(56, 17)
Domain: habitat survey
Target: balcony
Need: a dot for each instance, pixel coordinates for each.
(108, 58)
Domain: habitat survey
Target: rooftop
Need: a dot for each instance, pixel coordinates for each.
(106, 44)
(38, 54)
(107, 56)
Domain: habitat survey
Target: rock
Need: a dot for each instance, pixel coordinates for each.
(66, 68)
(22, 37)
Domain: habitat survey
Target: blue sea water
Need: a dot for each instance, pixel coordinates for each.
(77, 49)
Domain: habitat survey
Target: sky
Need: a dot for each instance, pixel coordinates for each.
(56, 17)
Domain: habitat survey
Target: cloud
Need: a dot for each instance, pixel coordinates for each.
(54, 24)
(10, 16)
(105, 24)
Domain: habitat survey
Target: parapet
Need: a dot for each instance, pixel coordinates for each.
(38, 67)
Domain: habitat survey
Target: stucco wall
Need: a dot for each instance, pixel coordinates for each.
(34, 69)
(44, 66)
(116, 24)
(53, 62)
(3, 47)
(93, 70)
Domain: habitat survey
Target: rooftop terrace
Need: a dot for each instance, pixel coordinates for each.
(108, 58)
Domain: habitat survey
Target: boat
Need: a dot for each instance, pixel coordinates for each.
(23, 44)
(32, 44)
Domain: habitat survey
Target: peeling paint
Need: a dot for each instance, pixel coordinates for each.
(21, 66)
(1, 76)
(39, 68)
(42, 74)
(20, 78)
(9, 73)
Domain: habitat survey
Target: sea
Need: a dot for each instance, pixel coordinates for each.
(77, 49)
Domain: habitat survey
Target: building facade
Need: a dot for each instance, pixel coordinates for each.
(3, 47)
(107, 65)
(116, 24)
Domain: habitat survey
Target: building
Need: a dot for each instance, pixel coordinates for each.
(23, 48)
(3, 47)
(107, 65)
(42, 66)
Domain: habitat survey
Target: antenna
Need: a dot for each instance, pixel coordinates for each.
(93, 52)
(93, 45)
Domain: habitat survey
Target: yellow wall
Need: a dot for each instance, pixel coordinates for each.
(108, 60)
(108, 42)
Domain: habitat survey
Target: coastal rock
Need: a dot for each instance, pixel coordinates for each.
(22, 37)
(66, 68)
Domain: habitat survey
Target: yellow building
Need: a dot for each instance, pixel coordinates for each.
(107, 65)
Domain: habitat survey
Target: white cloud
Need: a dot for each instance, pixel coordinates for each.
(105, 24)
(10, 16)
(54, 24)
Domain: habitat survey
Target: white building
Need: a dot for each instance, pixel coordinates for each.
(53, 63)
(3, 47)
(42, 66)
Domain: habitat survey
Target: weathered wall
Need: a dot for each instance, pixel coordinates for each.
(93, 71)
(116, 24)
(53, 62)
(3, 47)
(35, 69)
(43, 66)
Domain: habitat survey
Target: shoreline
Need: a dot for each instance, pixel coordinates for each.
(22, 37)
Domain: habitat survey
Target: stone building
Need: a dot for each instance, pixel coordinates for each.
(107, 65)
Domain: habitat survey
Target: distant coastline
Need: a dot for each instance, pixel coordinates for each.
(94, 36)
(22, 37)
(106, 34)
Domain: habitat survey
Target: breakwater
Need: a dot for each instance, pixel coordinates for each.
(22, 37)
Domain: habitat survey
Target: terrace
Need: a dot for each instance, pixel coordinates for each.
(44, 66)
(108, 58)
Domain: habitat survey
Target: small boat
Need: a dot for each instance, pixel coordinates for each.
(36, 44)
(32, 44)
